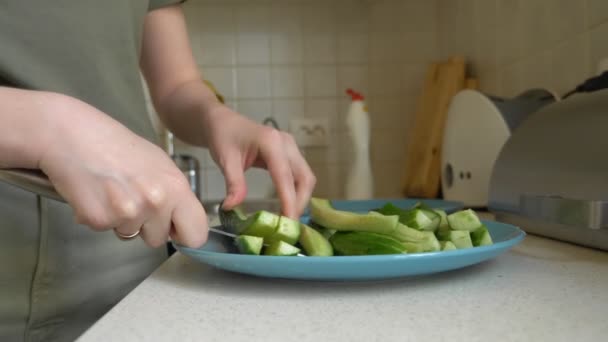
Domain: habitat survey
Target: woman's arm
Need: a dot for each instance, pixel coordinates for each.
(26, 124)
(191, 111)
(180, 97)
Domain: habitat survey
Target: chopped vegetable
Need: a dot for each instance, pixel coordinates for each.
(461, 239)
(248, 244)
(387, 230)
(481, 237)
(262, 224)
(365, 243)
(447, 245)
(323, 213)
(281, 248)
(288, 230)
(464, 220)
(314, 243)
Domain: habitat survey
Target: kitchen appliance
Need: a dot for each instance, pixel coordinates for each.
(551, 176)
(476, 128)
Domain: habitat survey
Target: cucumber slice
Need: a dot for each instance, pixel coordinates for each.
(288, 230)
(248, 244)
(404, 233)
(447, 245)
(421, 217)
(444, 219)
(262, 224)
(365, 243)
(390, 209)
(314, 243)
(417, 219)
(232, 219)
(327, 233)
(412, 247)
(431, 244)
(281, 248)
(464, 220)
(435, 220)
(461, 239)
(324, 214)
(481, 237)
(443, 234)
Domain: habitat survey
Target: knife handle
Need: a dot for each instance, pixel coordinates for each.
(31, 180)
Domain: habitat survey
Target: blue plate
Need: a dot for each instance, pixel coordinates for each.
(404, 203)
(351, 268)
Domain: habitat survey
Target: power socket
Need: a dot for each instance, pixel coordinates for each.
(310, 132)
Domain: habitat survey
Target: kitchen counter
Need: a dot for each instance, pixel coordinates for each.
(541, 290)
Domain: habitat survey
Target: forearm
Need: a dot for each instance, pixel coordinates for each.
(187, 109)
(183, 101)
(25, 126)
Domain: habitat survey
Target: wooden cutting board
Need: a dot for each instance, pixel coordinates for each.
(422, 176)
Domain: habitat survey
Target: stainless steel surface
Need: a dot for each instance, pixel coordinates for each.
(560, 150)
(567, 211)
(578, 235)
(31, 180)
(556, 160)
(270, 121)
(190, 167)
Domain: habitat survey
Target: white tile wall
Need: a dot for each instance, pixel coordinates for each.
(253, 48)
(521, 44)
(215, 48)
(353, 48)
(285, 59)
(320, 81)
(253, 82)
(287, 82)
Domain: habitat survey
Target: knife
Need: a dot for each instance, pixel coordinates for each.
(37, 182)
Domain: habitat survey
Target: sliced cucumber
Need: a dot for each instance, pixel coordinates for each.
(447, 245)
(420, 217)
(365, 243)
(431, 244)
(404, 233)
(288, 230)
(435, 220)
(248, 244)
(281, 248)
(464, 220)
(324, 214)
(412, 247)
(314, 243)
(481, 237)
(417, 219)
(461, 239)
(443, 234)
(262, 224)
(443, 224)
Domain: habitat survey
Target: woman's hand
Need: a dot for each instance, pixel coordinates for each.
(237, 143)
(114, 179)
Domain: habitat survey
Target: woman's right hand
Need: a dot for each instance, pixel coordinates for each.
(114, 179)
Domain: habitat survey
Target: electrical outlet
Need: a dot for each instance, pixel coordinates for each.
(310, 132)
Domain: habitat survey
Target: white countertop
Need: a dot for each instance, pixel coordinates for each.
(542, 290)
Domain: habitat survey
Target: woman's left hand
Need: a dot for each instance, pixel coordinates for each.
(237, 143)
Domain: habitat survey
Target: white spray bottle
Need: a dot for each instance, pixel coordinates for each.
(359, 182)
